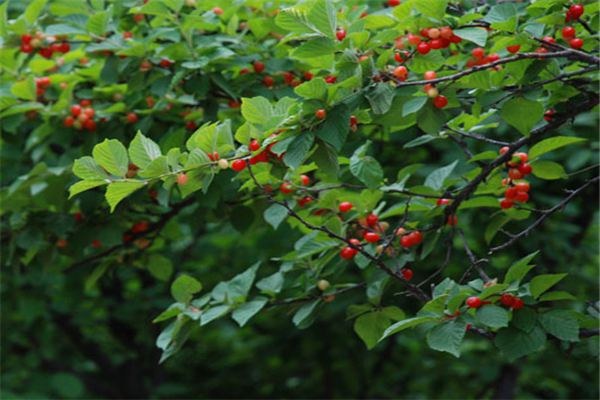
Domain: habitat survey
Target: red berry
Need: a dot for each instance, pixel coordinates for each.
(524, 169)
(345, 206)
(65, 47)
(132, 118)
(452, 220)
(46, 52)
(305, 200)
(305, 180)
(286, 188)
(522, 187)
(62, 243)
(393, 3)
(507, 299)
(308, 76)
(96, 244)
(436, 44)
(139, 227)
(348, 253)
(340, 34)
(372, 219)
(355, 242)
(517, 303)
(407, 273)
(68, 122)
(440, 101)
(89, 112)
(473, 302)
(268, 81)
(26, 38)
(514, 48)
(455, 39)
(138, 17)
(244, 71)
(576, 43)
(442, 202)
(405, 241)
(423, 48)
(254, 145)
(191, 125)
(320, 113)
(85, 103)
(353, 120)
(238, 165)
(258, 67)
(515, 173)
(549, 39)
(90, 125)
(331, 79)
(429, 75)
(521, 197)
(371, 237)
(413, 39)
(164, 63)
(182, 179)
(75, 110)
(568, 32)
(400, 72)
(478, 52)
(506, 204)
(576, 11)
(26, 48)
(510, 193)
(217, 10)
(503, 150)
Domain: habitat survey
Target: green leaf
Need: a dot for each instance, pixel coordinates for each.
(435, 9)
(524, 319)
(475, 35)
(82, 186)
(381, 98)
(519, 269)
(275, 215)
(557, 295)
(117, 191)
(494, 226)
(24, 89)
(112, 156)
(551, 144)
(335, 128)
(562, 324)
(541, 283)
(326, 159)
(413, 105)
(503, 17)
(493, 316)
(243, 313)
(366, 168)
(98, 23)
(369, 327)
(160, 267)
(492, 290)
(405, 324)
(298, 149)
(322, 15)
(86, 168)
(143, 150)
(548, 170)
(304, 313)
(447, 337)
(271, 284)
(318, 47)
(435, 179)
(316, 88)
(213, 313)
(34, 10)
(256, 110)
(184, 287)
(156, 168)
(515, 343)
(522, 114)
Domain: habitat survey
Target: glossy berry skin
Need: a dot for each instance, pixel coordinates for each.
(348, 253)
(218, 10)
(510, 193)
(517, 304)
(345, 206)
(132, 118)
(407, 273)
(371, 237)
(254, 145)
(522, 197)
(340, 34)
(268, 81)
(305, 180)
(182, 179)
(514, 174)
(507, 300)
(568, 32)
(238, 165)
(503, 150)
(442, 202)
(68, 122)
(400, 72)
(514, 48)
(506, 204)
(393, 3)
(478, 52)
(576, 43)
(522, 187)
(473, 302)
(320, 114)
(355, 242)
(372, 219)
(286, 188)
(258, 67)
(76, 110)
(440, 101)
(452, 220)
(353, 120)
(576, 11)
(429, 75)
(423, 48)
(524, 169)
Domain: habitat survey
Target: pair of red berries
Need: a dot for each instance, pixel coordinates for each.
(479, 57)
(568, 34)
(41, 85)
(348, 252)
(411, 239)
(511, 301)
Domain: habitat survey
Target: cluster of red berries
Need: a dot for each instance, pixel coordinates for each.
(137, 228)
(46, 45)
(568, 32)
(41, 84)
(549, 115)
(479, 57)
(506, 299)
(264, 156)
(82, 116)
(517, 190)
(411, 239)
(430, 39)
